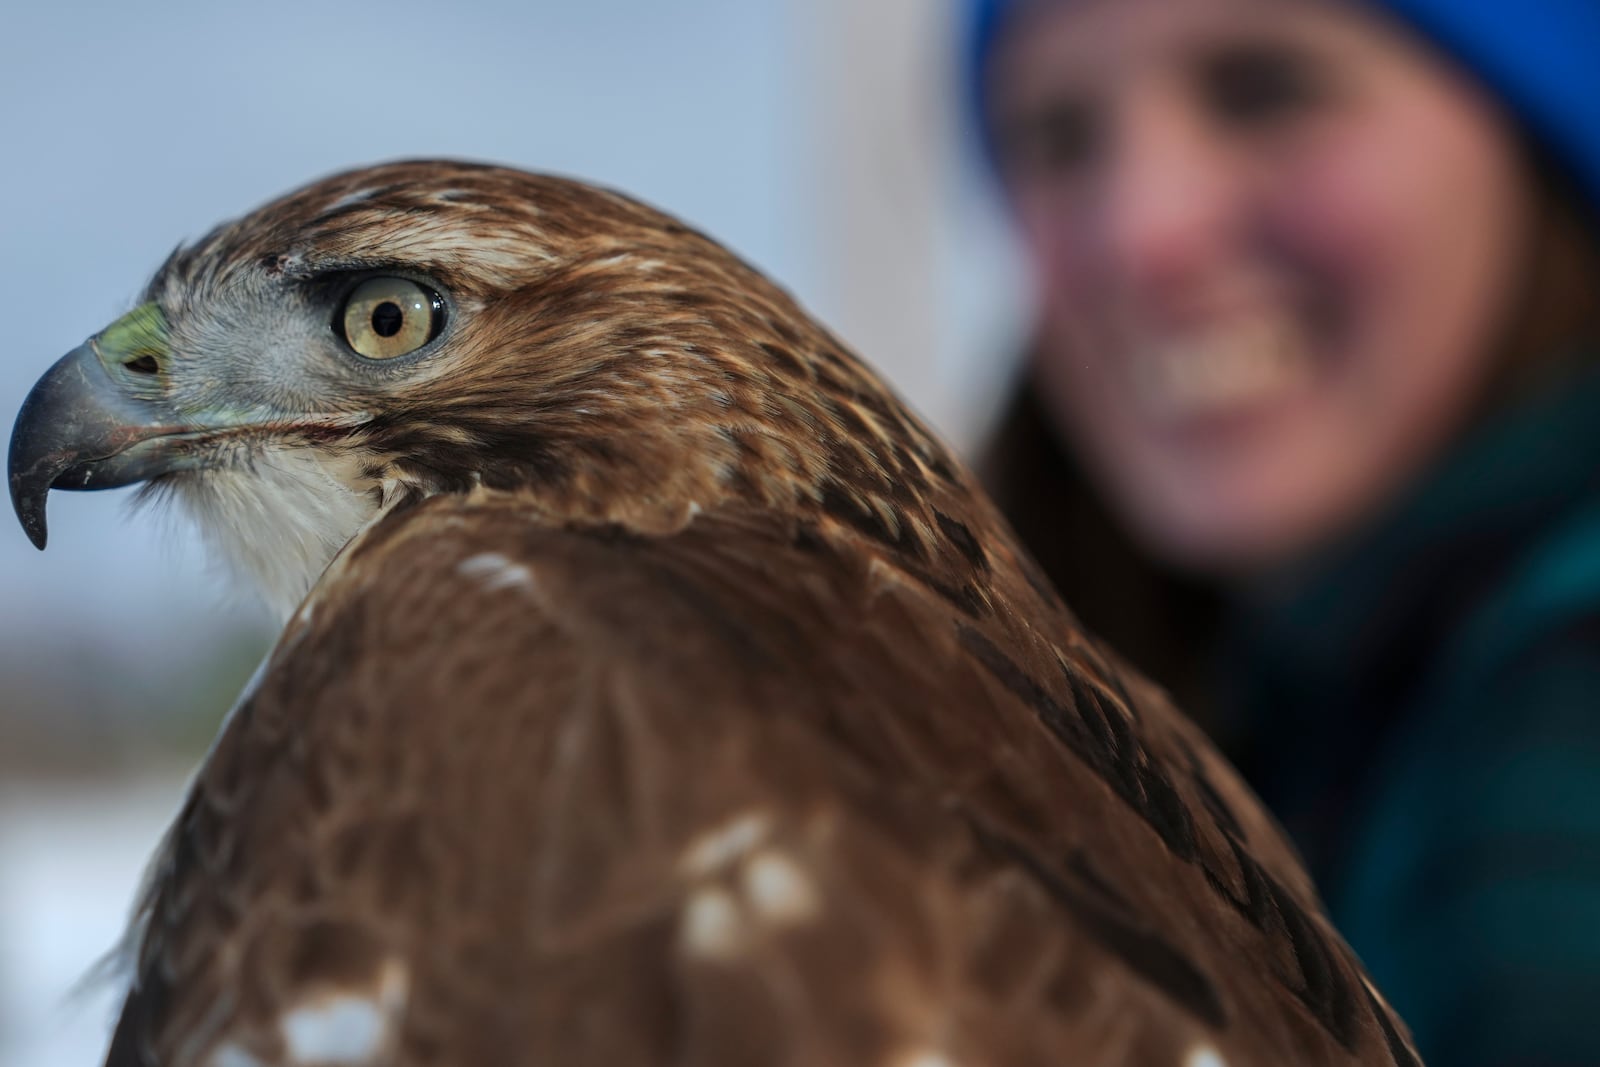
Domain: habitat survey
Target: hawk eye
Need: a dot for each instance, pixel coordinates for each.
(387, 317)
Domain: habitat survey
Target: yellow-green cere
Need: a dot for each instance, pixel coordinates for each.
(138, 340)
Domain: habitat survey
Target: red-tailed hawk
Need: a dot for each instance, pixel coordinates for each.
(655, 690)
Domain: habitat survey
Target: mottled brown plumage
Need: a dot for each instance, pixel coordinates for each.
(679, 699)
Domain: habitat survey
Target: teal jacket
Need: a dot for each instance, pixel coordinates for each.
(1425, 710)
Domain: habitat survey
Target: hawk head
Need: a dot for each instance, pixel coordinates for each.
(436, 327)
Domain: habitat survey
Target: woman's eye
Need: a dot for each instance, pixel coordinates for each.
(387, 317)
(1259, 85)
(1057, 137)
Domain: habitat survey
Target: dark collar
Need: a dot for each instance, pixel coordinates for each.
(1411, 575)
(1319, 673)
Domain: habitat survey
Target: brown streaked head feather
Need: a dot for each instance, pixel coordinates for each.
(617, 363)
(676, 699)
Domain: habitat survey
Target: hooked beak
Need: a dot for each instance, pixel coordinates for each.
(100, 418)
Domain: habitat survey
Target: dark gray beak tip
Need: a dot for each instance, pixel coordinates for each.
(29, 505)
(30, 478)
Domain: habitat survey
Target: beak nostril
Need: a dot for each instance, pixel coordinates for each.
(144, 365)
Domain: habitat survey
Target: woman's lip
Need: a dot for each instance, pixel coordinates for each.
(1219, 369)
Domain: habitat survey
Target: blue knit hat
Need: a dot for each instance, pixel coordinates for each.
(1541, 57)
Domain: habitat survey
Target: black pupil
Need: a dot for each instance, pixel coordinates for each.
(386, 319)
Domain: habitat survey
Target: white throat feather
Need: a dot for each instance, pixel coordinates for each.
(279, 519)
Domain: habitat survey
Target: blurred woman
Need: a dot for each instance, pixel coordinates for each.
(1312, 432)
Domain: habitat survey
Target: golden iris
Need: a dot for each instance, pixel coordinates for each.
(388, 317)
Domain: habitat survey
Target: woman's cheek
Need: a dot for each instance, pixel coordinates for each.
(1410, 260)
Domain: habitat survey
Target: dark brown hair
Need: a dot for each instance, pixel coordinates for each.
(1557, 320)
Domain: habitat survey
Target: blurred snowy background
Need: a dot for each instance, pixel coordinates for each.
(819, 138)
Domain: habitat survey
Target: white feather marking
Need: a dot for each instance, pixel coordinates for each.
(347, 1029)
(350, 199)
(718, 847)
(1204, 1056)
(278, 519)
(231, 1055)
(924, 1058)
(631, 261)
(496, 572)
(712, 926)
(778, 889)
(344, 1030)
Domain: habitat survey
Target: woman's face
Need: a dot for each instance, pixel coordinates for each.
(1275, 242)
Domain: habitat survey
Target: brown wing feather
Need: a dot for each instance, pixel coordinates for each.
(743, 794)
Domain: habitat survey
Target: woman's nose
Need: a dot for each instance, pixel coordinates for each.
(1170, 199)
